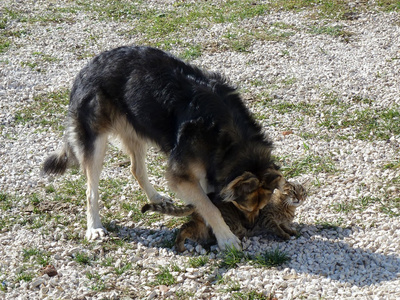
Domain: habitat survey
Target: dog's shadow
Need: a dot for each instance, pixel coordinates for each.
(330, 257)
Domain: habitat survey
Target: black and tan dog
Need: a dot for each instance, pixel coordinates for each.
(145, 96)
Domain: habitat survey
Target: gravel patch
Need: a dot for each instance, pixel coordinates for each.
(327, 93)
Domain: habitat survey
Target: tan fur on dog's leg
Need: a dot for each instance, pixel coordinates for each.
(136, 148)
(92, 170)
(192, 193)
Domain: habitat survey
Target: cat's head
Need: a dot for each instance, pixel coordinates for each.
(292, 194)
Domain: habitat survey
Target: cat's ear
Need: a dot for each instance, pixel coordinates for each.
(241, 185)
(307, 185)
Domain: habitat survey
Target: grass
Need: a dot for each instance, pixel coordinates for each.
(98, 284)
(4, 44)
(25, 276)
(310, 163)
(193, 51)
(391, 207)
(164, 277)
(336, 31)
(301, 107)
(367, 124)
(250, 295)
(360, 204)
(82, 258)
(231, 258)
(271, 258)
(327, 225)
(197, 262)
(388, 205)
(46, 110)
(41, 257)
(5, 201)
(121, 270)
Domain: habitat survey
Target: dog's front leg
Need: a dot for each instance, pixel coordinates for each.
(192, 193)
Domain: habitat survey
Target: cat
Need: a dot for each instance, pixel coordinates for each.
(275, 218)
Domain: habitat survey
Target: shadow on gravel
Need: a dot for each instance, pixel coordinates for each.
(313, 254)
(339, 261)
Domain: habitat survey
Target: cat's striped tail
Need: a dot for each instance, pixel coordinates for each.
(169, 209)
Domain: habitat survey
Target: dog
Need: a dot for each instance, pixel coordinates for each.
(145, 96)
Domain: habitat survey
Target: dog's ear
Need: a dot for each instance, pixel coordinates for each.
(273, 180)
(241, 185)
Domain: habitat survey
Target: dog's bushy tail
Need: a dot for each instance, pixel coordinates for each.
(58, 162)
(169, 209)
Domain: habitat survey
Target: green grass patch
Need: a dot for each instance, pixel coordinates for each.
(111, 188)
(250, 295)
(184, 295)
(192, 52)
(41, 257)
(271, 258)
(392, 165)
(108, 261)
(98, 283)
(72, 191)
(164, 277)
(302, 107)
(231, 257)
(46, 110)
(391, 207)
(4, 44)
(82, 258)
(360, 204)
(25, 276)
(5, 201)
(119, 271)
(336, 31)
(367, 124)
(309, 164)
(389, 5)
(328, 225)
(197, 262)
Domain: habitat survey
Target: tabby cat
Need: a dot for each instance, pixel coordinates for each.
(276, 217)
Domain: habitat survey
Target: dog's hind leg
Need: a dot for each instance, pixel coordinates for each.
(92, 166)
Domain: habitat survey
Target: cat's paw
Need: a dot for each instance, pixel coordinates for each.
(96, 233)
(283, 235)
(157, 199)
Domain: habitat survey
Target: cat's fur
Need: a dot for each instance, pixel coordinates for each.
(275, 218)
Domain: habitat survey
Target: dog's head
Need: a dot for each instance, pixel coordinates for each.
(250, 193)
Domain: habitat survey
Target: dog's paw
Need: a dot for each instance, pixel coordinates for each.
(229, 242)
(96, 233)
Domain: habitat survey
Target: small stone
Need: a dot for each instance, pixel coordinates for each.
(49, 270)
(152, 295)
(37, 281)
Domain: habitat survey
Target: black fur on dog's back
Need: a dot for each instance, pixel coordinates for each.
(189, 113)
